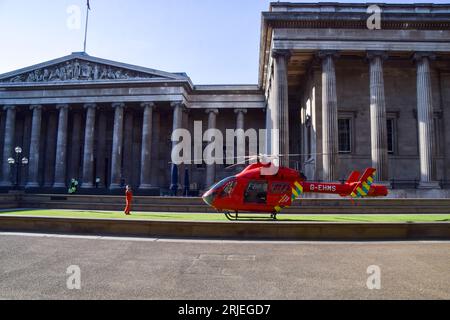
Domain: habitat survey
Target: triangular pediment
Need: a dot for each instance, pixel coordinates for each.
(82, 67)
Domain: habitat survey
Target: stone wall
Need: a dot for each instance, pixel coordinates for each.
(401, 103)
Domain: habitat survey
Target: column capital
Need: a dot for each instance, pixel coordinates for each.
(118, 105)
(175, 104)
(278, 53)
(322, 54)
(372, 54)
(418, 56)
(62, 106)
(215, 111)
(148, 104)
(36, 106)
(90, 106)
(8, 107)
(240, 110)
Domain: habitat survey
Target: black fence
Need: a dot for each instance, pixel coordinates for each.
(414, 184)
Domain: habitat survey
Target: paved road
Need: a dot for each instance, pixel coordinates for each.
(34, 267)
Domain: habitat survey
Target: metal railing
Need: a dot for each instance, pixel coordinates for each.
(414, 184)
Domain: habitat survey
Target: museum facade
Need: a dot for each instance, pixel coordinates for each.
(341, 94)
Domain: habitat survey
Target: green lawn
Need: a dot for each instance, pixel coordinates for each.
(221, 217)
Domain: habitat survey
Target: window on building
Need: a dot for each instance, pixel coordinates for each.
(308, 136)
(437, 134)
(391, 135)
(345, 135)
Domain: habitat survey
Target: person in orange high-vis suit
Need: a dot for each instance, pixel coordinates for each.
(129, 199)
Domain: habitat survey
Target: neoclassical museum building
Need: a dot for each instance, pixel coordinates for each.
(342, 94)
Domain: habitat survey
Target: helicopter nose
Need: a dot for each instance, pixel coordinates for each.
(208, 198)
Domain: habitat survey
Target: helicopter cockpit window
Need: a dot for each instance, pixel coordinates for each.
(256, 192)
(222, 182)
(228, 189)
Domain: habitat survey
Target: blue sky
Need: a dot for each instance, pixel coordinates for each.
(213, 41)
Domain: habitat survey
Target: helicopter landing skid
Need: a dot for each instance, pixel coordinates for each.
(232, 217)
(235, 216)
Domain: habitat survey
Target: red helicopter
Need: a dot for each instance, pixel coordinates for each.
(253, 190)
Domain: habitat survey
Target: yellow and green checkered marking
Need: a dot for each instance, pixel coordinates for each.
(297, 190)
(363, 190)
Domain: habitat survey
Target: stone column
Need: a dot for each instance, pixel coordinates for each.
(127, 150)
(281, 106)
(184, 166)
(26, 141)
(75, 143)
(8, 146)
(156, 163)
(177, 124)
(329, 117)
(378, 121)
(33, 165)
(2, 141)
(61, 147)
(211, 168)
(2, 136)
(177, 117)
(116, 157)
(101, 148)
(88, 155)
(146, 151)
(425, 121)
(50, 149)
(240, 125)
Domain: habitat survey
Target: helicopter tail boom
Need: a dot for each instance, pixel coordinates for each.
(355, 186)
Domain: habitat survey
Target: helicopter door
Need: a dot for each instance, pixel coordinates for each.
(256, 192)
(280, 193)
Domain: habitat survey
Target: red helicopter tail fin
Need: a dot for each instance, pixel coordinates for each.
(354, 176)
(362, 189)
(369, 173)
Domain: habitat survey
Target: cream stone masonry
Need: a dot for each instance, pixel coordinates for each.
(212, 124)
(280, 111)
(329, 116)
(88, 155)
(367, 84)
(33, 166)
(146, 153)
(117, 147)
(378, 118)
(240, 139)
(8, 146)
(341, 96)
(61, 147)
(425, 121)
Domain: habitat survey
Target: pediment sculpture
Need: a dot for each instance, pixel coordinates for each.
(78, 70)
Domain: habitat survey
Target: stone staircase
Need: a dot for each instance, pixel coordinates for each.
(170, 204)
(9, 201)
(114, 203)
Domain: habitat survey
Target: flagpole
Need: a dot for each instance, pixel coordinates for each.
(86, 28)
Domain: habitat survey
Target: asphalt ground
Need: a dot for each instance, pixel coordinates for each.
(34, 266)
